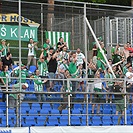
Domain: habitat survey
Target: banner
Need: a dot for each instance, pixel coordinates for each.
(54, 37)
(15, 18)
(82, 129)
(10, 32)
(15, 130)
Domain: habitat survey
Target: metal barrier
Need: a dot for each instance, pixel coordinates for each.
(75, 105)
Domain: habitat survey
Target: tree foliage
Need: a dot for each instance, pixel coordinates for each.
(113, 2)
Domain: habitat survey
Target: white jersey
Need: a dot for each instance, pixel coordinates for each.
(31, 51)
(98, 85)
(127, 75)
(80, 58)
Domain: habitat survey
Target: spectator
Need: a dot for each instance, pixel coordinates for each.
(125, 68)
(117, 57)
(114, 50)
(125, 51)
(38, 85)
(62, 55)
(91, 69)
(7, 60)
(65, 89)
(4, 48)
(129, 88)
(109, 85)
(42, 65)
(24, 73)
(119, 100)
(13, 98)
(130, 57)
(80, 57)
(61, 44)
(52, 66)
(3, 77)
(100, 59)
(32, 52)
(98, 86)
(62, 68)
(46, 47)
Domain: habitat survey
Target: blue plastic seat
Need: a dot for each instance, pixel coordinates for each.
(25, 105)
(107, 111)
(55, 111)
(53, 121)
(84, 122)
(11, 111)
(75, 121)
(44, 111)
(76, 111)
(77, 106)
(41, 120)
(107, 121)
(63, 121)
(96, 121)
(30, 121)
(46, 106)
(33, 112)
(36, 106)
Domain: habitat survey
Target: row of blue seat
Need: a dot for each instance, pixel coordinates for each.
(63, 120)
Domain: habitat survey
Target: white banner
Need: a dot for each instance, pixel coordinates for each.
(83, 129)
(15, 130)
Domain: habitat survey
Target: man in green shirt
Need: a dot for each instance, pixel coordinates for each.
(38, 85)
(14, 97)
(46, 47)
(100, 58)
(24, 73)
(42, 65)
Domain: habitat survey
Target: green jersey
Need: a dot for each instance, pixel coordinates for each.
(38, 85)
(109, 75)
(43, 68)
(45, 46)
(24, 74)
(4, 52)
(73, 69)
(5, 75)
(99, 54)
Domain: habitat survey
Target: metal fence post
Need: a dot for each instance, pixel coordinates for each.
(125, 103)
(69, 100)
(7, 124)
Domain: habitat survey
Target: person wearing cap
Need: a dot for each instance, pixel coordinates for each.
(4, 48)
(13, 98)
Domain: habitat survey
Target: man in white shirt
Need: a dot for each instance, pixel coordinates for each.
(80, 57)
(32, 52)
(129, 87)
